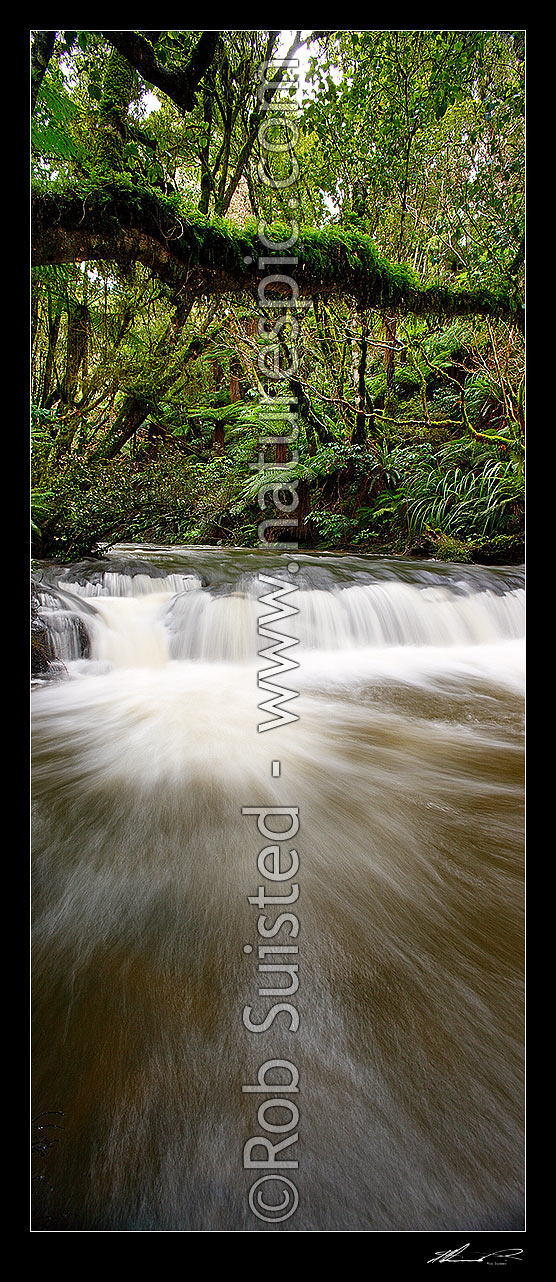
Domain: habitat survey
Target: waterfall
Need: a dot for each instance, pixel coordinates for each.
(404, 767)
(173, 617)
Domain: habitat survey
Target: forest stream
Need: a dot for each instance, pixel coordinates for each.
(403, 975)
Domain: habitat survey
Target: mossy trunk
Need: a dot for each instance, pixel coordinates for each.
(54, 318)
(76, 353)
(112, 126)
(132, 415)
(390, 357)
(41, 53)
(360, 433)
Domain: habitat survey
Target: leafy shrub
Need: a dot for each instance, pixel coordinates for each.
(464, 490)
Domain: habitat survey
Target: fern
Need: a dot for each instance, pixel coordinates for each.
(54, 123)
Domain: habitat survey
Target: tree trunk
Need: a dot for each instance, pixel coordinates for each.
(360, 434)
(119, 85)
(130, 418)
(316, 429)
(218, 439)
(78, 337)
(390, 357)
(43, 47)
(304, 495)
(54, 318)
(206, 175)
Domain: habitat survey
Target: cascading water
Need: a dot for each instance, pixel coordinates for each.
(405, 764)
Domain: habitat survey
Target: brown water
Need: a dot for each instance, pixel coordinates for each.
(405, 765)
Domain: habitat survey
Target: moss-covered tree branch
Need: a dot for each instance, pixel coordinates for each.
(122, 223)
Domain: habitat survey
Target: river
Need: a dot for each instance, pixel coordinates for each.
(396, 801)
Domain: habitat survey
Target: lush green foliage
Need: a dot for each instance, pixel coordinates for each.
(147, 391)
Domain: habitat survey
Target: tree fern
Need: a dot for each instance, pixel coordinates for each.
(53, 127)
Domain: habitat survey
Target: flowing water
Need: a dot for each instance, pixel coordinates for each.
(404, 1017)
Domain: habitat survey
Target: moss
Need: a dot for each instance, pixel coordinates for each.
(448, 548)
(503, 549)
(119, 85)
(329, 261)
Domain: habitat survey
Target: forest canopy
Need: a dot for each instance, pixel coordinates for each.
(382, 174)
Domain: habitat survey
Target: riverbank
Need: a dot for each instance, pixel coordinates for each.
(498, 550)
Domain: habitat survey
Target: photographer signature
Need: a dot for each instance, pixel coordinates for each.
(491, 1257)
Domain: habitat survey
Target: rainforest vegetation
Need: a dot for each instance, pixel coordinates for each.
(148, 401)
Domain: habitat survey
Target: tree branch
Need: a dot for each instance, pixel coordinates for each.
(123, 224)
(180, 86)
